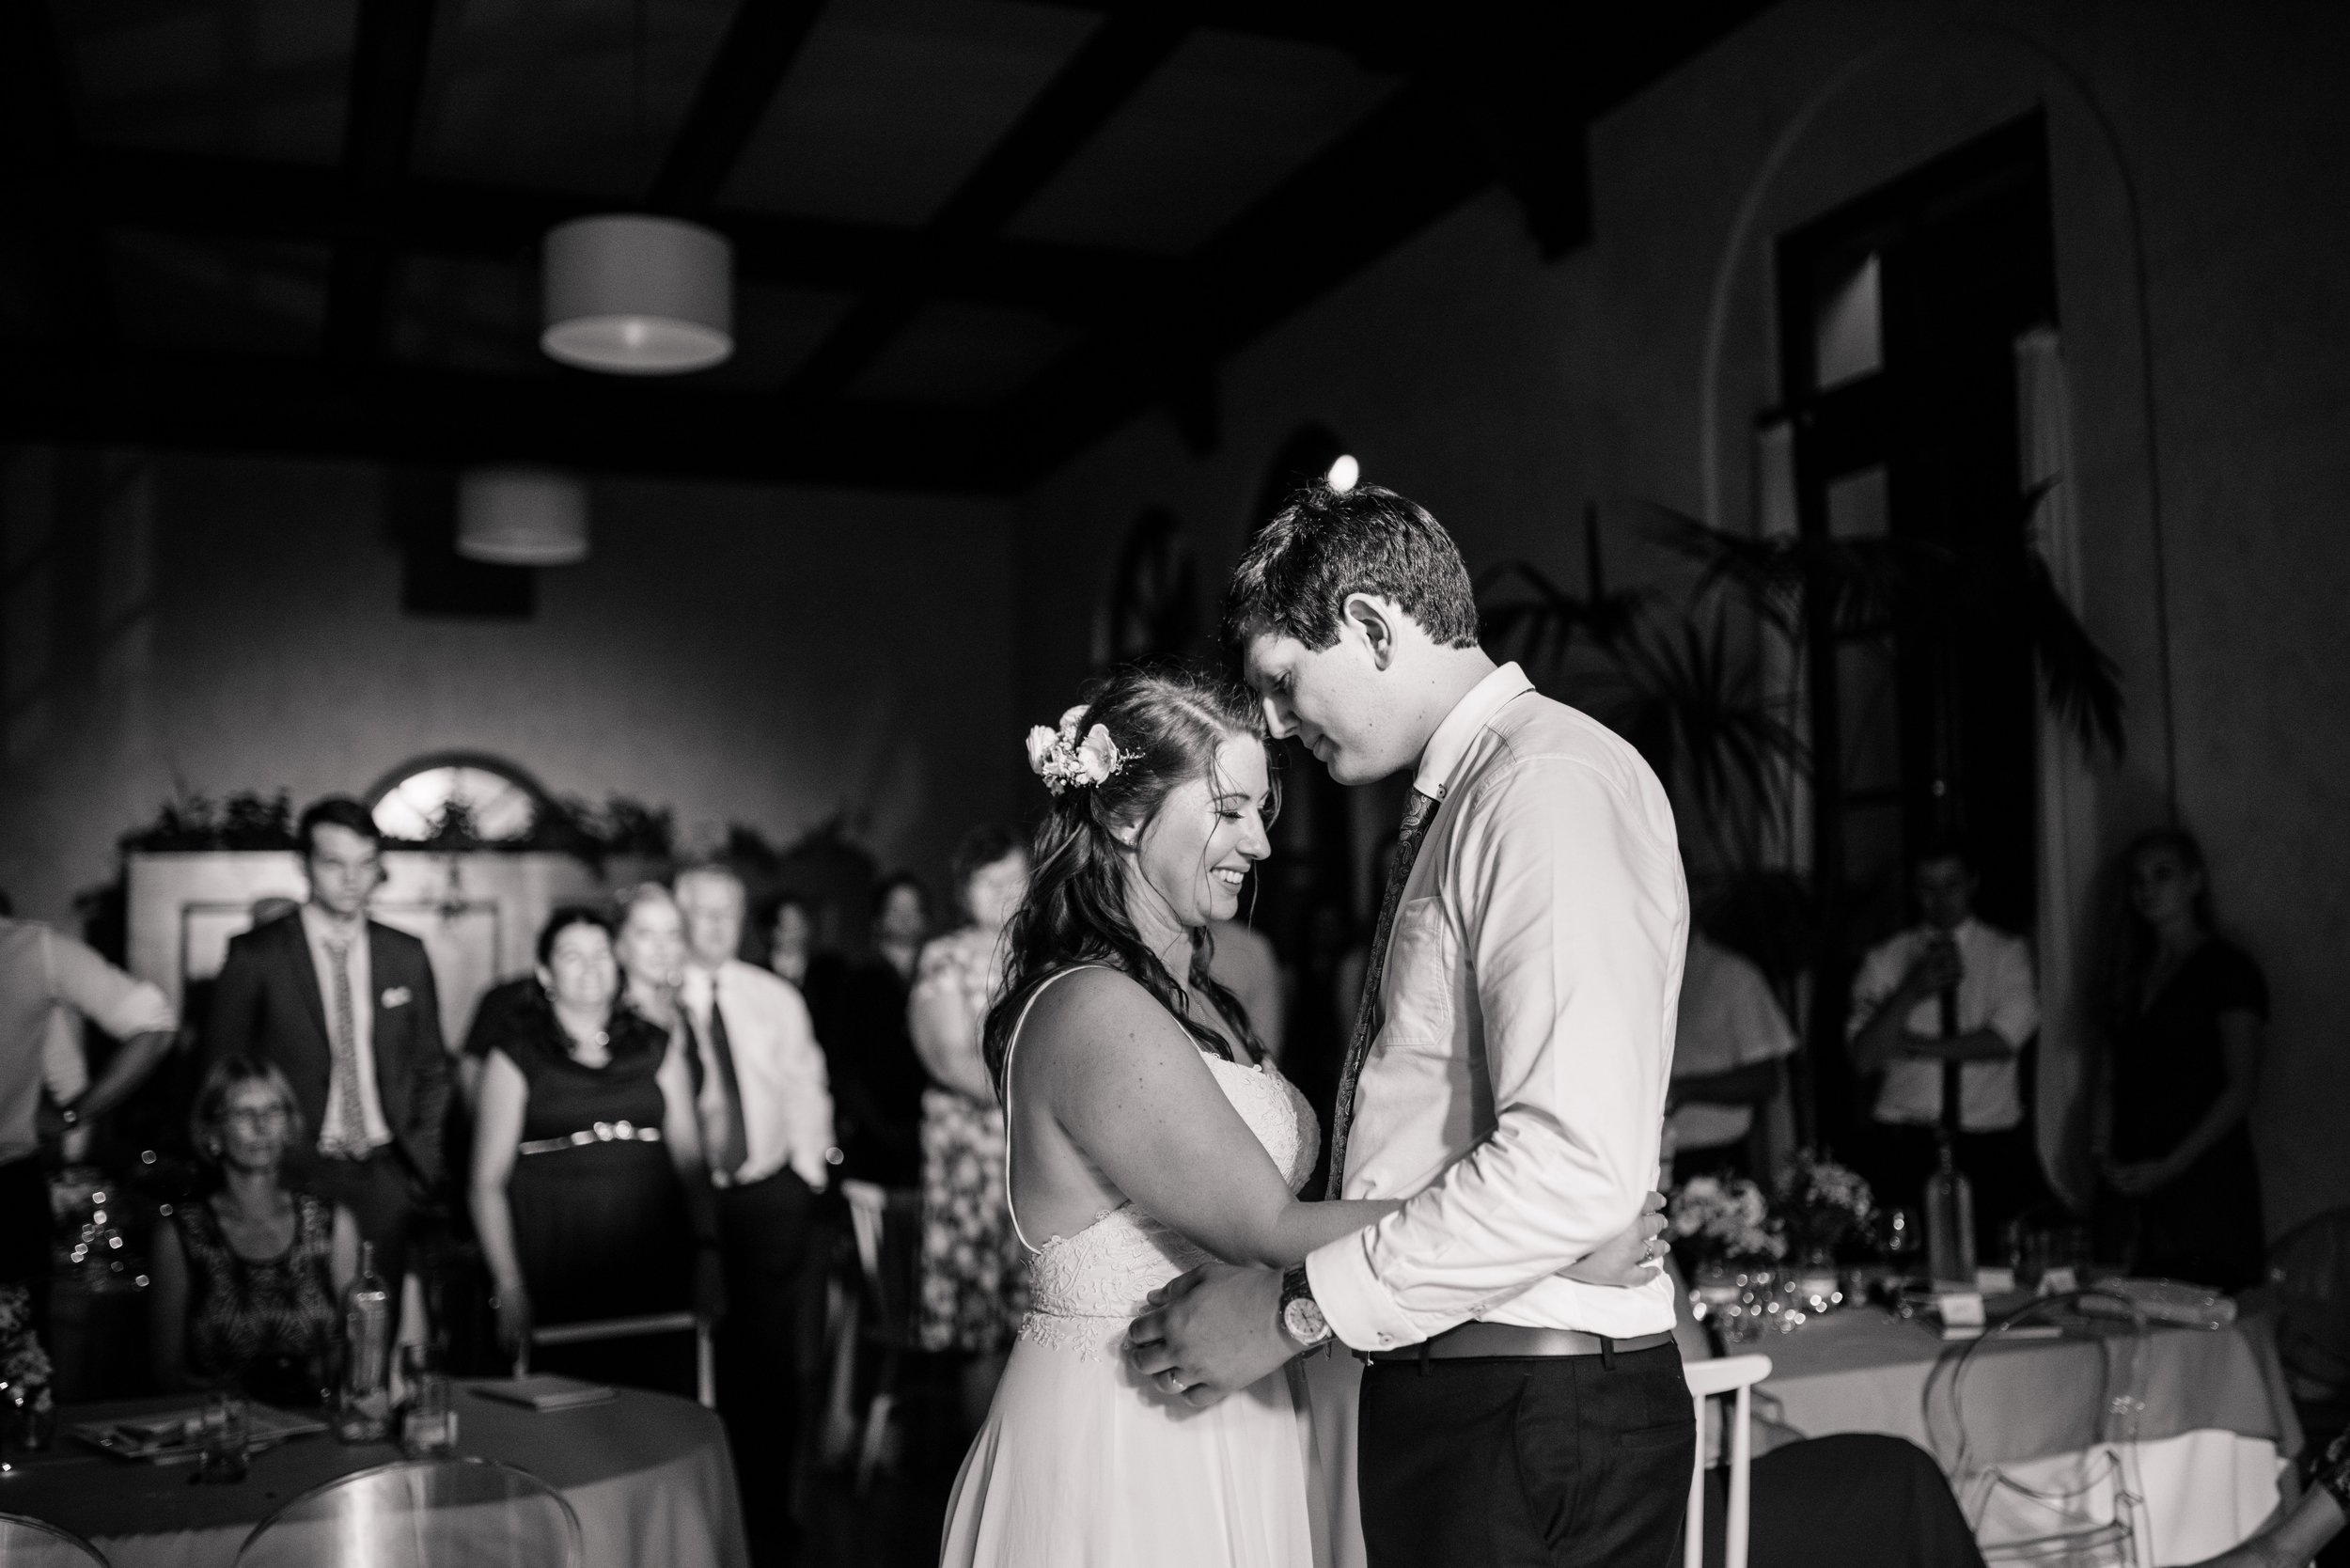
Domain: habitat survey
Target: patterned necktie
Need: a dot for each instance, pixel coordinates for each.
(729, 1140)
(1416, 819)
(352, 1116)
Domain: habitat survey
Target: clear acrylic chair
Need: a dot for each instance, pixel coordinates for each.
(421, 1514)
(887, 1224)
(26, 1543)
(705, 1359)
(1737, 1376)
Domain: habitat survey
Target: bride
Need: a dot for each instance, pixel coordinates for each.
(1147, 1133)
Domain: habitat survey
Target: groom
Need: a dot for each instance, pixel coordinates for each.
(1506, 1075)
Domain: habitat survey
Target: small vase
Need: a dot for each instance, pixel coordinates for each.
(1817, 1286)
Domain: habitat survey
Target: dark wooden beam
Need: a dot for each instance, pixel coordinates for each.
(36, 118)
(391, 44)
(1096, 82)
(253, 404)
(184, 194)
(752, 59)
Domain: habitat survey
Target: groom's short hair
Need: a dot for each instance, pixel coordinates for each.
(1324, 544)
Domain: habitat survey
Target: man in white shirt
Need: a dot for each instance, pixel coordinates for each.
(1949, 997)
(765, 1109)
(1728, 1045)
(1506, 1076)
(49, 985)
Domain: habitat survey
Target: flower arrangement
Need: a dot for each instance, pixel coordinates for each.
(1717, 1220)
(1064, 762)
(1821, 1203)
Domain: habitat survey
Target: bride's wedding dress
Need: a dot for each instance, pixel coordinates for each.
(1081, 1463)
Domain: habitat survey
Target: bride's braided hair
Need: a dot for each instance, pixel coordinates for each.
(1168, 726)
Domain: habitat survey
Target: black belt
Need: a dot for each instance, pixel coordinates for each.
(1494, 1342)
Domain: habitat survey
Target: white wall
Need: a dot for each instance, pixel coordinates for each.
(762, 655)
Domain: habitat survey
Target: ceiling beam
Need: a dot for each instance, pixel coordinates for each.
(266, 405)
(750, 64)
(1091, 86)
(36, 111)
(391, 45)
(196, 195)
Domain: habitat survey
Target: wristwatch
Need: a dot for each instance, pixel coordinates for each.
(1301, 1314)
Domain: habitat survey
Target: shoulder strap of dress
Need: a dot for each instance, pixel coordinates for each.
(1011, 1044)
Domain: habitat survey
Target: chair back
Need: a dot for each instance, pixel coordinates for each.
(705, 1360)
(1734, 1375)
(887, 1223)
(2309, 1284)
(421, 1514)
(27, 1542)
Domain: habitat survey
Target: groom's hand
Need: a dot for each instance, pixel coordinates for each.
(1210, 1332)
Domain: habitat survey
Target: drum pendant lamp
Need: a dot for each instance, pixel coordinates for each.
(512, 516)
(635, 295)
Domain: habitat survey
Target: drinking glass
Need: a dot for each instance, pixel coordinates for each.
(428, 1425)
(227, 1433)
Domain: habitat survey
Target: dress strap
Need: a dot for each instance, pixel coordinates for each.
(1012, 1044)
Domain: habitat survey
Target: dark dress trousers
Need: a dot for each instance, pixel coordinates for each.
(267, 1005)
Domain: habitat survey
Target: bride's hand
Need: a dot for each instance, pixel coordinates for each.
(1632, 1256)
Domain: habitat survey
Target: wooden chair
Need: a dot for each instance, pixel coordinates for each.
(421, 1514)
(29, 1543)
(705, 1365)
(1735, 1375)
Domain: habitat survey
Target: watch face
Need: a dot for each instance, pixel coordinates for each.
(1304, 1322)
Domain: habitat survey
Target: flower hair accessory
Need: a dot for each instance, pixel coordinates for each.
(1064, 762)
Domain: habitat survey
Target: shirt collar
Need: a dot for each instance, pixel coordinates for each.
(321, 928)
(1442, 757)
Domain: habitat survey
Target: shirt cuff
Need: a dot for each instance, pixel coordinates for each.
(1355, 1305)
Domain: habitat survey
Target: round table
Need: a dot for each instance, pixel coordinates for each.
(649, 1476)
(2214, 1427)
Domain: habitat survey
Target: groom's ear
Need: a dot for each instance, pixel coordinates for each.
(1375, 619)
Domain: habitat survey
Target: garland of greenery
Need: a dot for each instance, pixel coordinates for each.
(248, 820)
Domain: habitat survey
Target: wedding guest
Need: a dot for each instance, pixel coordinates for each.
(45, 975)
(585, 1163)
(791, 938)
(765, 1109)
(1950, 991)
(1246, 964)
(877, 1080)
(246, 1279)
(1728, 1045)
(2181, 1066)
(346, 1008)
(974, 1280)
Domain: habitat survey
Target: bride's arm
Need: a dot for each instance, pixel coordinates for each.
(1129, 1087)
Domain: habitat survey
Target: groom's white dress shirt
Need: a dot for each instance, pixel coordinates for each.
(1514, 1090)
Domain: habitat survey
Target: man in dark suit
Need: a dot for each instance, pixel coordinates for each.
(346, 1008)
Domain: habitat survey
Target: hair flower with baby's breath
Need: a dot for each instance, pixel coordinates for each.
(1064, 762)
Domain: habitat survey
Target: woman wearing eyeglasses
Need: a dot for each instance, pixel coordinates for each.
(245, 1278)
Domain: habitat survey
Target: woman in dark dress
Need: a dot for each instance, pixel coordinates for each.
(246, 1279)
(587, 1177)
(2182, 1064)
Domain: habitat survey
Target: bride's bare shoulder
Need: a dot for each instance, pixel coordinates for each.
(1081, 1014)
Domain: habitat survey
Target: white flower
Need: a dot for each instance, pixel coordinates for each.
(1097, 759)
(1068, 723)
(1040, 749)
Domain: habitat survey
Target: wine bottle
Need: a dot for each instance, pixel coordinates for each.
(1950, 1222)
(363, 1403)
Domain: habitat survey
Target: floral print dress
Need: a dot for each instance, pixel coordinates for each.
(974, 1274)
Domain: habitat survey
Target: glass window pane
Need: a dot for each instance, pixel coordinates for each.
(1847, 340)
(1857, 504)
(1868, 697)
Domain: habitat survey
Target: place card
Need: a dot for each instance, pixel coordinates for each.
(1961, 1314)
(2058, 1281)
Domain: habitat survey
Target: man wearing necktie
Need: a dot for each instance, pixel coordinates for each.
(347, 1009)
(766, 1117)
(1505, 1078)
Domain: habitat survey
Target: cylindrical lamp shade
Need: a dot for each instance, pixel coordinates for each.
(522, 517)
(638, 296)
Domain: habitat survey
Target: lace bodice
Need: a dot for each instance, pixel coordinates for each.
(1084, 1289)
